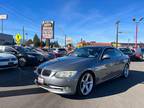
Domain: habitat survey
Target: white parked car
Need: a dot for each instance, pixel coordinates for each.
(8, 61)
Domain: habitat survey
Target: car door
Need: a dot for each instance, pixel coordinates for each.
(119, 62)
(109, 64)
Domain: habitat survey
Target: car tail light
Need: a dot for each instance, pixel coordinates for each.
(138, 55)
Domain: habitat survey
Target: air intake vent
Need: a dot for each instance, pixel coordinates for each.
(46, 72)
(39, 70)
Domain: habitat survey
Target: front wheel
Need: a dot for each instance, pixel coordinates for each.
(85, 84)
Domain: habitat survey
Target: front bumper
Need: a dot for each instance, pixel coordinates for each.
(4, 66)
(58, 86)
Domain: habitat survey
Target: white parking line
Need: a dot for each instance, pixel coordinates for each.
(17, 88)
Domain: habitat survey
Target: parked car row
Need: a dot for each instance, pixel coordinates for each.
(29, 55)
(134, 55)
(59, 52)
(76, 72)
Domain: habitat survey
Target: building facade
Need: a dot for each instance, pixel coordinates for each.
(6, 39)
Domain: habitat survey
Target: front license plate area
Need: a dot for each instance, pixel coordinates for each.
(40, 80)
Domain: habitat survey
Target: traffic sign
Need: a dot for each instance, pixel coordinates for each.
(18, 38)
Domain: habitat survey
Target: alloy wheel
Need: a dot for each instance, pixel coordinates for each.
(126, 71)
(86, 84)
(22, 62)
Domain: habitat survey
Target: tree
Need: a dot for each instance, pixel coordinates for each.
(47, 42)
(36, 40)
(29, 42)
(55, 44)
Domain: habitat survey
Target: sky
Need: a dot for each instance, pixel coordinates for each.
(91, 20)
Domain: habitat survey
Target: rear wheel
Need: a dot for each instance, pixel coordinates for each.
(85, 84)
(22, 62)
(126, 71)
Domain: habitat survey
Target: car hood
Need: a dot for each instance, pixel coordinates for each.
(6, 55)
(34, 54)
(129, 54)
(68, 63)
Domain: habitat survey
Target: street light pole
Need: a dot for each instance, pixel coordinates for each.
(3, 17)
(117, 33)
(136, 34)
(128, 43)
(65, 36)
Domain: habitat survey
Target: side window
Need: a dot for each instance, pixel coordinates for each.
(113, 53)
(117, 53)
(109, 52)
(7, 49)
(10, 50)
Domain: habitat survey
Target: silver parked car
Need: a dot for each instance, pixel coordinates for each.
(7, 61)
(82, 69)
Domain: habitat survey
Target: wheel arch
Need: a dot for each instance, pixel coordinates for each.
(89, 71)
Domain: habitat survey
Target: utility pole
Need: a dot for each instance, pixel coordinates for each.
(117, 33)
(2, 26)
(65, 41)
(41, 36)
(23, 31)
(128, 43)
(65, 36)
(81, 39)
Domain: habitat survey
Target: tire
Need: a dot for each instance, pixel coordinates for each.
(126, 71)
(22, 62)
(85, 84)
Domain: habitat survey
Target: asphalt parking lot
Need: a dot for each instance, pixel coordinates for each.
(17, 90)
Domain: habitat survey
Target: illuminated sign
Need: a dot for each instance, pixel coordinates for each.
(47, 30)
(3, 17)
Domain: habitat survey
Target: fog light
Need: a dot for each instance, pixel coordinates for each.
(66, 88)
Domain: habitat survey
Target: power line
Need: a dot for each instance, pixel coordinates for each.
(19, 14)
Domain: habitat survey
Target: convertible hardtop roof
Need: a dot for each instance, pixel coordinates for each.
(98, 47)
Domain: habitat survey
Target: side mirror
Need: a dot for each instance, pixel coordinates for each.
(106, 56)
(13, 52)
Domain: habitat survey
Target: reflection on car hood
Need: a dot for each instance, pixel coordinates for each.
(130, 54)
(68, 63)
(6, 55)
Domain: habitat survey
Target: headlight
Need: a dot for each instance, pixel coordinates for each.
(65, 74)
(31, 56)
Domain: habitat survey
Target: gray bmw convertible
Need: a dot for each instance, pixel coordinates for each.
(79, 71)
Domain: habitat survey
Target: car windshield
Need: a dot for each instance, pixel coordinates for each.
(125, 50)
(28, 50)
(61, 50)
(1, 51)
(22, 50)
(38, 50)
(91, 52)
